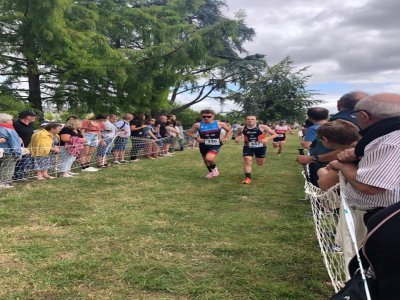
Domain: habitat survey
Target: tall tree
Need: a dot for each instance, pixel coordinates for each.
(280, 92)
(222, 64)
(40, 45)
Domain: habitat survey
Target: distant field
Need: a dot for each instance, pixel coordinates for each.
(159, 230)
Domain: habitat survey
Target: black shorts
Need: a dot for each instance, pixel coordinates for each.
(204, 149)
(279, 139)
(259, 152)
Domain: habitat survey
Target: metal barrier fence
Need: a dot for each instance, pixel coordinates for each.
(50, 162)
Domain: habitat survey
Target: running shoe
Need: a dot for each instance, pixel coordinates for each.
(246, 181)
(117, 162)
(215, 172)
(209, 175)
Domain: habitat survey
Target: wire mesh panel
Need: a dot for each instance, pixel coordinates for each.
(325, 206)
(48, 163)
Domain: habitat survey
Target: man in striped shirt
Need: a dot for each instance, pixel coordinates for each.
(373, 183)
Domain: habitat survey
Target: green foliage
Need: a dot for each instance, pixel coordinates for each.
(127, 56)
(278, 93)
(235, 116)
(11, 105)
(187, 117)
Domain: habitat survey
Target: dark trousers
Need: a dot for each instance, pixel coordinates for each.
(370, 213)
(22, 166)
(313, 176)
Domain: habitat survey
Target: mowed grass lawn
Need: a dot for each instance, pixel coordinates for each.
(160, 230)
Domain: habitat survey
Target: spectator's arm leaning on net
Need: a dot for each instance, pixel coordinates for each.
(327, 178)
(349, 171)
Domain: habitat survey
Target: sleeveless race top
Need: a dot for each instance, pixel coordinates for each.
(281, 130)
(210, 133)
(252, 136)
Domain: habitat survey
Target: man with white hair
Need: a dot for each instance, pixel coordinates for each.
(374, 186)
(373, 183)
(10, 145)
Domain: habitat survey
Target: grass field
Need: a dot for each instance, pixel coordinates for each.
(160, 230)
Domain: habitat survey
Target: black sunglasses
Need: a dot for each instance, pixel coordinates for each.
(206, 117)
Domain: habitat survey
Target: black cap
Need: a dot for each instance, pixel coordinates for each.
(26, 113)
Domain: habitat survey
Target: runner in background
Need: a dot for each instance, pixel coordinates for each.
(255, 141)
(209, 139)
(280, 140)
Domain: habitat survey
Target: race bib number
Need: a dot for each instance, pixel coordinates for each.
(212, 142)
(255, 145)
(281, 135)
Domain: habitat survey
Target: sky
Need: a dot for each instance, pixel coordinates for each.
(349, 45)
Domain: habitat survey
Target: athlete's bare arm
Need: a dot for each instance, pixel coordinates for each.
(193, 131)
(227, 129)
(271, 132)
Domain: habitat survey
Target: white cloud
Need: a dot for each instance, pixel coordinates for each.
(353, 44)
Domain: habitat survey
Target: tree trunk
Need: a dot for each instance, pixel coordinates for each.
(32, 72)
(35, 97)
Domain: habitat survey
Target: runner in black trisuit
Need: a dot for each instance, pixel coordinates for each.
(255, 141)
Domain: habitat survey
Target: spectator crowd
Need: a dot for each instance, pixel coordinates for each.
(362, 142)
(54, 148)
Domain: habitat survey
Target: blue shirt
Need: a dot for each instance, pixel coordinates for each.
(316, 147)
(311, 133)
(346, 115)
(13, 142)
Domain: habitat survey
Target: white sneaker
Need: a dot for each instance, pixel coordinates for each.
(215, 172)
(117, 162)
(90, 169)
(73, 174)
(5, 186)
(209, 175)
(66, 175)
